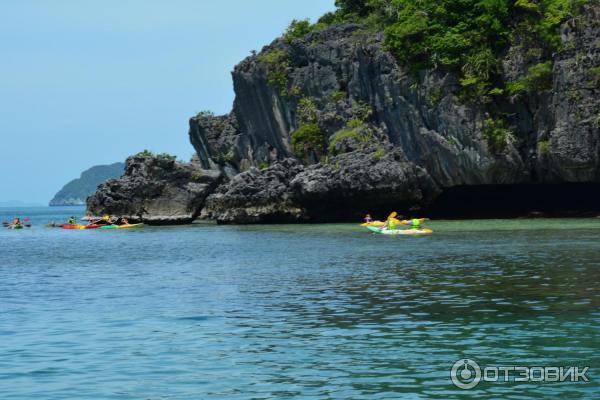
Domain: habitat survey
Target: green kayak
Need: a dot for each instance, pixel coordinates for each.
(128, 226)
(407, 232)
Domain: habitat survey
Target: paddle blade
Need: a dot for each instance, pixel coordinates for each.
(393, 215)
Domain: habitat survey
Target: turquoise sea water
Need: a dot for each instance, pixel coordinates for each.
(294, 312)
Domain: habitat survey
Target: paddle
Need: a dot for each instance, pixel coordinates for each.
(6, 224)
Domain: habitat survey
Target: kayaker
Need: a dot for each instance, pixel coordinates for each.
(390, 224)
(16, 223)
(123, 221)
(105, 220)
(72, 221)
(368, 219)
(415, 223)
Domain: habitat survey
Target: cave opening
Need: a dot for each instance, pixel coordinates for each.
(510, 201)
(470, 202)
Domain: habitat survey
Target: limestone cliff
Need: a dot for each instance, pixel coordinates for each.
(419, 137)
(330, 125)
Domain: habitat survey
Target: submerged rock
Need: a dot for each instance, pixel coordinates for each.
(156, 190)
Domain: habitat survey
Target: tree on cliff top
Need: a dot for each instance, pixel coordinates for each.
(467, 37)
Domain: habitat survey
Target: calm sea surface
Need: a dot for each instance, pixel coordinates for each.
(294, 312)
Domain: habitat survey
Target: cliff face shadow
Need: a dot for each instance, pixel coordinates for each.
(354, 208)
(508, 201)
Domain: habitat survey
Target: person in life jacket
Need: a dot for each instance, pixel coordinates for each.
(368, 219)
(122, 221)
(390, 224)
(105, 220)
(415, 223)
(72, 221)
(16, 223)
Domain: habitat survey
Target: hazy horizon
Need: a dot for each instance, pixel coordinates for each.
(85, 84)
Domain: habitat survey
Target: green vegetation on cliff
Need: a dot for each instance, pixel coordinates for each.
(309, 138)
(467, 37)
(148, 153)
(277, 64)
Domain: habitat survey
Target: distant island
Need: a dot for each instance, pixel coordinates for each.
(76, 192)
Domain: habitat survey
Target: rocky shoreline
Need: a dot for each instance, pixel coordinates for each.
(329, 126)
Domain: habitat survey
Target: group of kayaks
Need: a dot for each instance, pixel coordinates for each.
(391, 224)
(96, 226)
(387, 227)
(96, 223)
(106, 222)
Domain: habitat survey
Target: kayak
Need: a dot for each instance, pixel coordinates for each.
(10, 226)
(80, 227)
(130, 226)
(408, 232)
(374, 223)
(127, 226)
(379, 224)
(73, 227)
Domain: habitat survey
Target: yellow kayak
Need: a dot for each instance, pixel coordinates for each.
(374, 223)
(130, 226)
(126, 226)
(379, 224)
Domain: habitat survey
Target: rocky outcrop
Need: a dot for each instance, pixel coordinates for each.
(352, 185)
(257, 196)
(156, 190)
(75, 192)
(420, 139)
(330, 126)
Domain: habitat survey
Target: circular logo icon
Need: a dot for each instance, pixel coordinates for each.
(465, 374)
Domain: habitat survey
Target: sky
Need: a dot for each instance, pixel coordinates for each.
(86, 82)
